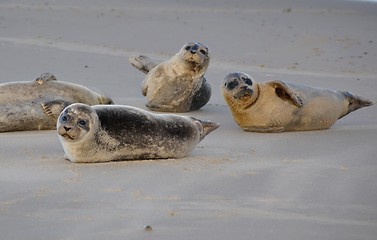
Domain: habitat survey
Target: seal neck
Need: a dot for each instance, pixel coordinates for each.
(255, 98)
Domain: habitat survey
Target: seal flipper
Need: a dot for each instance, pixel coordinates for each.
(355, 102)
(53, 108)
(285, 93)
(45, 77)
(202, 96)
(142, 63)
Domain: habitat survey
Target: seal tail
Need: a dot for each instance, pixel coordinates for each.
(355, 102)
(142, 63)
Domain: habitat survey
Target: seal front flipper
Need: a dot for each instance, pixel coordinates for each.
(45, 77)
(54, 107)
(202, 96)
(144, 88)
(66, 157)
(142, 63)
(286, 93)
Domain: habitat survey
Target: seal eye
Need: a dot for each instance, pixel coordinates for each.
(203, 51)
(81, 122)
(187, 48)
(231, 85)
(64, 118)
(248, 81)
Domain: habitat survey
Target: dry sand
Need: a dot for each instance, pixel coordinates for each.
(235, 185)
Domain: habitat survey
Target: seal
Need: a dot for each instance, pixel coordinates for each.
(276, 106)
(103, 133)
(36, 105)
(178, 84)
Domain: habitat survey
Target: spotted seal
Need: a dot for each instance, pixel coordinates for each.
(276, 106)
(178, 84)
(104, 133)
(36, 105)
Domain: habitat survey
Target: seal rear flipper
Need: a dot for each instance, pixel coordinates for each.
(206, 126)
(142, 63)
(355, 102)
(264, 129)
(45, 77)
(54, 107)
(286, 93)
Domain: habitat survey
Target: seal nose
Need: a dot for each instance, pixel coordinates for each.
(247, 91)
(67, 128)
(194, 48)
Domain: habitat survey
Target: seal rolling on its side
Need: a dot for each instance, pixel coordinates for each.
(36, 105)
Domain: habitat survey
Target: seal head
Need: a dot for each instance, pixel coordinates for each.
(195, 56)
(240, 90)
(75, 123)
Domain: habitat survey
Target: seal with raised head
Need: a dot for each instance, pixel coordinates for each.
(276, 106)
(36, 105)
(178, 84)
(105, 133)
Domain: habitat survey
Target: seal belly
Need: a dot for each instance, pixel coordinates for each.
(171, 95)
(30, 91)
(320, 111)
(23, 117)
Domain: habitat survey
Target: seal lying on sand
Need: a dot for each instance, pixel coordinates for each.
(276, 106)
(36, 105)
(119, 132)
(177, 85)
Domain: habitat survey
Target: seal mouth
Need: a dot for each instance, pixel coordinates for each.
(244, 93)
(192, 60)
(62, 131)
(67, 136)
(194, 65)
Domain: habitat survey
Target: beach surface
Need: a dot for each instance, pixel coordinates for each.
(235, 184)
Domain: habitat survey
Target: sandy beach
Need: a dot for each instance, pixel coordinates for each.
(235, 184)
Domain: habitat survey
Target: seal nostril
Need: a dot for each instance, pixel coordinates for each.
(67, 128)
(193, 52)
